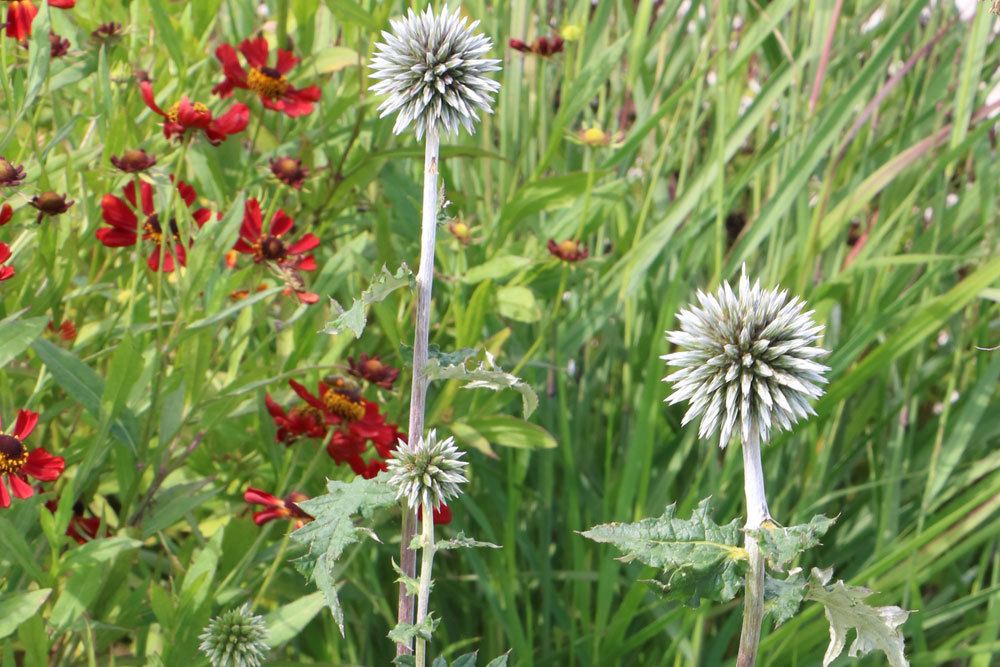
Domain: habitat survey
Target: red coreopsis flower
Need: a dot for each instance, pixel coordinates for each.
(50, 204)
(277, 508)
(81, 529)
(58, 46)
(302, 421)
(373, 370)
(107, 33)
(21, 14)
(133, 161)
(268, 82)
(17, 464)
(184, 116)
(289, 171)
(6, 272)
(270, 247)
(6, 213)
(568, 251)
(542, 46)
(10, 175)
(66, 331)
(124, 228)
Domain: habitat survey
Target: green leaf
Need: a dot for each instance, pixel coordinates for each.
(509, 431)
(333, 59)
(460, 541)
(494, 269)
(781, 545)
(405, 633)
(412, 585)
(499, 661)
(518, 303)
(333, 530)
(484, 376)
(228, 312)
(875, 627)
(17, 608)
(783, 597)
(467, 660)
(16, 335)
(699, 558)
(285, 623)
(356, 317)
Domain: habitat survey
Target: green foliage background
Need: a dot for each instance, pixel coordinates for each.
(726, 162)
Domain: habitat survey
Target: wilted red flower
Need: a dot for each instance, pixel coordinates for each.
(568, 251)
(6, 272)
(58, 47)
(303, 421)
(81, 529)
(6, 213)
(184, 116)
(269, 83)
(67, 330)
(271, 248)
(124, 224)
(542, 46)
(108, 33)
(50, 204)
(9, 174)
(289, 171)
(373, 370)
(277, 508)
(18, 464)
(442, 515)
(133, 161)
(21, 14)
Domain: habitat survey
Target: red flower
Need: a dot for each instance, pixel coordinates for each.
(268, 82)
(124, 224)
(271, 248)
(442, 515)
(568, 251)
(67, 330)
(21, 14)
(542, 46)
(373, 370)
(299, 421)
(289, 171)
(133, 161)
(58, 47)
(82, 529)
(17, 463)
(184, 116)
(50, 204)
(10, 175)
(6, 213)
(276, 508)
(6, 272)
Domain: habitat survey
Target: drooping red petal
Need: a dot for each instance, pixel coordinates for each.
(6, 213)
(146, 88)
(281, 222)
(4, 495)
(117, 213)
(258, 497)
(43, 466)
(252, 221)
(265, 516)
(146, 192)
(233, 121)
(25, 424)
(236, 76)
(305, 244)
(20, 15)
(20, 487)
(4, 252)
(307, 263)
(306, 396)
(187, 192)
(274, 409)
(63, 4)
(255, 51)
(6, 273)
(115, 237)
(307, 298)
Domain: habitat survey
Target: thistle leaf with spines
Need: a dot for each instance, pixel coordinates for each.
(485, 375)
(698, 557)
(382, 285)
(781, 544)
(783, 597)
(333, 530)
(461, 541)
(405, 633)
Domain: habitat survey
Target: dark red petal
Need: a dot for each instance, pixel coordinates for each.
(286, 61)
(305, 244)
(306, 396)
(4, 495)
(6, 273)
(307, 263)
(115, 212)
(146, 88)
(63, 4)
(43, 466)
(258, 497)
(4, 252)
(201, 216)
(265, 516)
(236, 76)
(189, 116)
(20, 487)
(281, 223)
(19, 18)
(26, 420)
(6, 213)
(274, 409)
(187, 193)
(252, 221)
(233, 121)
(146, 192)
(255, 51)
(115, 237)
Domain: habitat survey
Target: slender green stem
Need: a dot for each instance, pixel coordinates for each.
(426, 570)
(282, 29)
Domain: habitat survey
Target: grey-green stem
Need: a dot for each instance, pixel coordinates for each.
(426, 570)
(757, 514)
(418, 390)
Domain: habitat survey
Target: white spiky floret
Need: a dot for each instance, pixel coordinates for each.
(428, 471)
(747, 361)
(236, 638)
(432, 68)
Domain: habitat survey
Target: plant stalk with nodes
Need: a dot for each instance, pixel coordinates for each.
(432, 69)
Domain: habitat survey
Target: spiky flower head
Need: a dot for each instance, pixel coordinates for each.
(432, 68)
(746, 362)
(428, 471)
(236, 638)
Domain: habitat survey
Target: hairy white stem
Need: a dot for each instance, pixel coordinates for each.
(757, 514)
(426, 569)
(418, 390)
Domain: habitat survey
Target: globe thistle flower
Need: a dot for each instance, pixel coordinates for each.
(237, 638)
(746, 362)
(432, 68)
(427, 471)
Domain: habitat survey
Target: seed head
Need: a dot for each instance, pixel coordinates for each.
(428, 471)
(432, 68)
(237, 638)
(746, 362)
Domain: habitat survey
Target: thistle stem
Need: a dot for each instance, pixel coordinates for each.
(757, 514)
(418, 391)
(426, 568)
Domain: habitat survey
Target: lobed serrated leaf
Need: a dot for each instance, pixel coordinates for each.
(875, 627)
(460, 541)
(333, 530)
(698, 557)
(783, 597)
(405, 633)
(412, 585)
(356, 317)
(782, 544)
(487, 375)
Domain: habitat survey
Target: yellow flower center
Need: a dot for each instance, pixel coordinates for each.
(174, 111)
(344, 404)
(154, 230)
(13, 455)
(594, 136)
(568, 247)
(267, 82)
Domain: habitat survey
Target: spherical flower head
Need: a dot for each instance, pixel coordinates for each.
(746, 362)
(432, 68)
(428, 471)
(237, 638)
